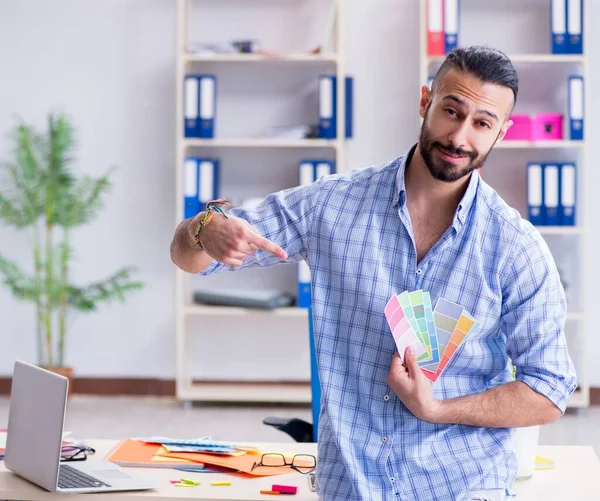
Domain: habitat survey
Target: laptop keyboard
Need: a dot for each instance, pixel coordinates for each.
(70, 478)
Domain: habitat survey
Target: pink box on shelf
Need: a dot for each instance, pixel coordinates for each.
(547, 127)
(520, 130)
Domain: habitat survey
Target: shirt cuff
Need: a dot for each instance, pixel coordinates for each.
(211, 268)
(558, 397)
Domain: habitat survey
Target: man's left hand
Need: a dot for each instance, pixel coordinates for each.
(413, 388)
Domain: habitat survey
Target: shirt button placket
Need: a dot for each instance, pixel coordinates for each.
(419, 281)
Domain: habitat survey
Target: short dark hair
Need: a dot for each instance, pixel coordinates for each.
(486, 63)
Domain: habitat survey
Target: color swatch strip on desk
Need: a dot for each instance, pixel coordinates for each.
(435, 334)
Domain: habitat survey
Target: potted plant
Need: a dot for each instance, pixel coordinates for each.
(40, 193)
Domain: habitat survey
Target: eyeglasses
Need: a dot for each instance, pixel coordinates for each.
(302, 463)
(76, 453)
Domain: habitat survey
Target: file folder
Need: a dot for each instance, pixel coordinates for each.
(191, 205)
(323, 168)
(551, 194)
(451, 20)
(349, 112)
(199, 106)
(535, 194)
(575, 26)
(328, 106)
(435, 28)
(558, 13)
(576, 108)
(190, 106)
(208, 180)
(208, 104)
(568, 195)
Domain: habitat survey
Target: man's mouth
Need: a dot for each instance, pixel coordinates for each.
(452, 155)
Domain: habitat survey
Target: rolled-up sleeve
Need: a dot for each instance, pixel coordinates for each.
(533, 319)
(285, 218)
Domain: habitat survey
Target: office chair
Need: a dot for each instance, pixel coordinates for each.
(298, 429)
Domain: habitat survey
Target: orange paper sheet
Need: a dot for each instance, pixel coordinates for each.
(140, 454)
(241, 463)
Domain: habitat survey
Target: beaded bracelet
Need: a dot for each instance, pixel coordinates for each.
(211, 207)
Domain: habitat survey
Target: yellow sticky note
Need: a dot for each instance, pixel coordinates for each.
(220, 483)
(189, 481)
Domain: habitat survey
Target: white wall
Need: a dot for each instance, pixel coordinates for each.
(111, 65)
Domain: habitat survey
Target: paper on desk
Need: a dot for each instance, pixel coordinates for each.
(139, 454)
(204, 442)
(243, 463)
(208, 450)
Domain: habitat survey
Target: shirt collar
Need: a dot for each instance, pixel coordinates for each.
(466, 201)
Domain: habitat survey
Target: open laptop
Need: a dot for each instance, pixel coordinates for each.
(36, 417)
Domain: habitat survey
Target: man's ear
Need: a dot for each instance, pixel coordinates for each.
(504, 130)
(426, 97)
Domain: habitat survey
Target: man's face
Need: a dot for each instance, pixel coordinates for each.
(462, 124)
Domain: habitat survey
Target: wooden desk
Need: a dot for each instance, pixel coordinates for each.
(576, 477)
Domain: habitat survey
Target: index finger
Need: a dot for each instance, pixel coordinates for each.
(263, 243)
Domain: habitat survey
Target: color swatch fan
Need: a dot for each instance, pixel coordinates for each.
(435, 334)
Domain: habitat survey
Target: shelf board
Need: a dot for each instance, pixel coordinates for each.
(260, 142)
(515, 144)
(560, 230)
(529, 58)
(574, 315)
(245, 391)
(200, 309)
(259, 58)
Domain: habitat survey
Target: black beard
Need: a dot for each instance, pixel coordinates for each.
(442, 170)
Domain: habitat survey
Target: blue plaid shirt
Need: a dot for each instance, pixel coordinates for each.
(354, 231)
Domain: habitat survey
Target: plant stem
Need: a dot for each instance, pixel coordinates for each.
(37, 256)
(48, 293)
(62, 314)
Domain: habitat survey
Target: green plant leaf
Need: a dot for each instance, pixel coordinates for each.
(82, 203)
(11, 213)
(113, 288)
(22, 285)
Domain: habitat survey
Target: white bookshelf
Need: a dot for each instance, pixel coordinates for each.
(261, 143)
(188, 387)
(258, 58)
(480, 30)
(531, 58)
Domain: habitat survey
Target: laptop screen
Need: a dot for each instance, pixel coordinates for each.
(35, 424)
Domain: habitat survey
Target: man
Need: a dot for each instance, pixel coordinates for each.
(423, 221)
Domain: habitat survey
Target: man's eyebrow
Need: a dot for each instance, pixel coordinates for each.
(458, 100)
